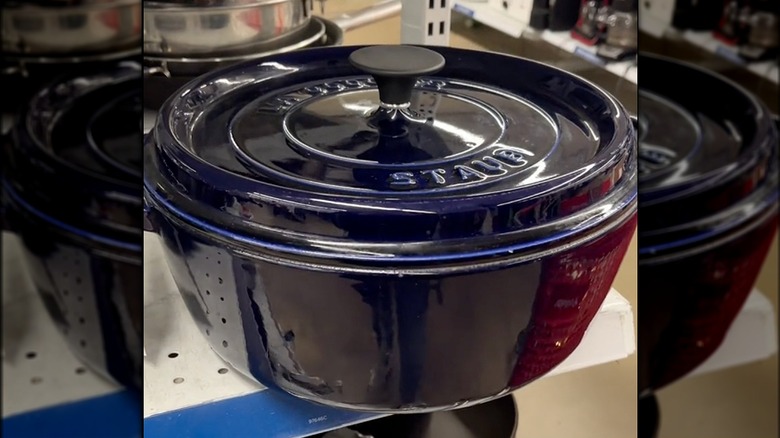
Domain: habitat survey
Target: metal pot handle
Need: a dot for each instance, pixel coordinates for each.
(363, 17)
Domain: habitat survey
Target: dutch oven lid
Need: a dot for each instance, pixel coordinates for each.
(393, 144)
(707, 154)
(75, 154)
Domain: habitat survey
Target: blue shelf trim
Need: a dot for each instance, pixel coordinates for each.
(265, 414)
(116, 415)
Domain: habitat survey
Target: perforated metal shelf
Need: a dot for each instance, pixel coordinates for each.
(47, 391)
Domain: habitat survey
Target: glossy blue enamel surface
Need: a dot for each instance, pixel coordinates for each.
(74, 151)
(493, 151)
(708, 157)
(72, 192)
(388, 340)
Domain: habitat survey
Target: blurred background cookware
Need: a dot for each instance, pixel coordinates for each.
(621, 30)
(42, 40)
(696, 14)
(468, 223)
(563, 14)
(708, 191)
(589, 27)
(71, 192)
(752, 26)
(183, 42)
(192, 27)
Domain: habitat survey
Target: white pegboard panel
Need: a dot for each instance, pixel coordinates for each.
(563, 40)
(426, 22)
(751, 337)
(181, 371)
(705, 40)
(39, 371)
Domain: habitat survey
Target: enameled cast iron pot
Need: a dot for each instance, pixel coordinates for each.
(392, 228)
(708, 198)
(72, 192)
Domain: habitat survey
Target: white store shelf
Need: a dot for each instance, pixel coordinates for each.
(485, 13)
(705, 40)
(752, 337)
(563, 40)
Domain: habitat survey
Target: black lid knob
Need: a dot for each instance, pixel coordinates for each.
(396, 69)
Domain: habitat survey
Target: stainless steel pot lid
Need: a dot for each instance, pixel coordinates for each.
(75, 155)
(65, 28)
(707, 154)
(177, 28)
(350, 151)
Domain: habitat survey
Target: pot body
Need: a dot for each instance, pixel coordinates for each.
(382, 341)
(695, 298)
(90, 289)
(710, 212)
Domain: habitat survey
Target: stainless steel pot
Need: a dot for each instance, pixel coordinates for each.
(165, 73)
(60, 27)
(200, 27)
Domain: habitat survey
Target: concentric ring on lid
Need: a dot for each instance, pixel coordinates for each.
(707, 155)
(76, 153)
(298, 148)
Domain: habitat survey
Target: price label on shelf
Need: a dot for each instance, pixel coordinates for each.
(729, 54)
(589, 56)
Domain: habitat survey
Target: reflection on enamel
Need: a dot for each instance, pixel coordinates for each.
(470, 139)
(592, 133)
(364, 107)
(371, 207)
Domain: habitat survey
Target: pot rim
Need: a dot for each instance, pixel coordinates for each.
(765, 124)
(686, 237)
(613, 164)
(252, 247)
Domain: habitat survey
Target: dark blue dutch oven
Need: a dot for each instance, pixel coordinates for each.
(392, 228)
(708, 175)
(72, 193)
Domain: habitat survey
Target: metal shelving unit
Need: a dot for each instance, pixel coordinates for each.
(656, 22)
(490, 15)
